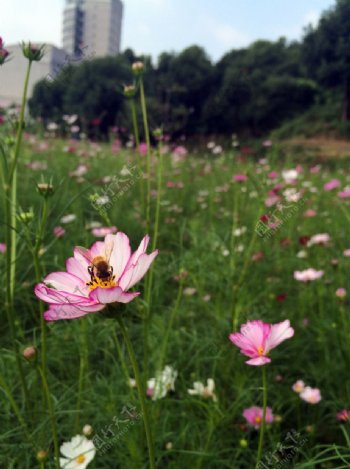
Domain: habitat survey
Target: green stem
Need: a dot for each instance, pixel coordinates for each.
(11, 236)
(262, 427)
(141, 391)
(38, 275)
(170, 325)
(82, 370)
(20, 124)
(148, 142)
(52, 416)
(137, 145)
(16, 410)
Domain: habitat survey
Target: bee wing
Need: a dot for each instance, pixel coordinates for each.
(85, 253)
(108, 249)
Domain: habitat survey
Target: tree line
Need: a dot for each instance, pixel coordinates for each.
(250, 90)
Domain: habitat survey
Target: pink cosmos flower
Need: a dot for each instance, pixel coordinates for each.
(80, 290)
(101, 232)
(343, 416)
(315, 169)
(340, 293)
(254, 416)
(180, 150)
(2, 247)
(143, 148)
(58, 231)
(333, 184)
(273, 175)
(267, 143)
(310, 213)
(345, 194)
(298, 386)
(311, 395)
(257, 338)
(239, 177)
(322, 238)
(346, 253)
(308, 275)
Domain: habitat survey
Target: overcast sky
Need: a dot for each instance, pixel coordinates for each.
(154, 26)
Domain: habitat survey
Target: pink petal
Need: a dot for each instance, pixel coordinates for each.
(112, 295)
(56, 313)
(77, 268)
(121, 252)
(279, 332)
(49, 295)
(140, 250)
(136, 272)
(258, 361)
(256, 332)
(246, 346)
(64, 281)
(97, 249)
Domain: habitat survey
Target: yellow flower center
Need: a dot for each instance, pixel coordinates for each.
(102, 283)
(80, 459)
(260, 350)
(257, 419)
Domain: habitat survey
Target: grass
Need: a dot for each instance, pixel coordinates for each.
(198, 217)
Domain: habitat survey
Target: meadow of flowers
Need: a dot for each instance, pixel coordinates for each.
(166, 307)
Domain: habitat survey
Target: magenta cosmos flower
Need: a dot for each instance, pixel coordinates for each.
(257, 338)
(343, 415)
(95, 277)
(254, 416)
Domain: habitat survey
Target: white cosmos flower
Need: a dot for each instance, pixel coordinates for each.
(158, 387)
(290, 175)
(68, 218)
(78, 453)
(204, 391)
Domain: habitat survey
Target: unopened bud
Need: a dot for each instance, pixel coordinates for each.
(87, 430)
(129, 91)
(41, 455)
(45, 188)
(29, 353)
(138, 68)
(25, 217)
(32, 53)
(243, 443)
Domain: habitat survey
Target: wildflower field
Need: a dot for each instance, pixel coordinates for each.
(234, 231)
(168, 305)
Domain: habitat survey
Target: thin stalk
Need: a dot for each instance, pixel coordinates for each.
(137, 145)
(16, 410)
(148, 161)
(262, 427)
(82, 370)
(170, 325)
(52, 416)
(11, 235)
(38, 275)
(141, 391)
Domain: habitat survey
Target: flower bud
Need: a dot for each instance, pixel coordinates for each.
(243, 443)
(169, 445)
(41, 455)
(29, 353)
(129, 91)
(45, 189)
(25, 217)
(33, 53)
(138, 68)
(4, 53)
(87, 430)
